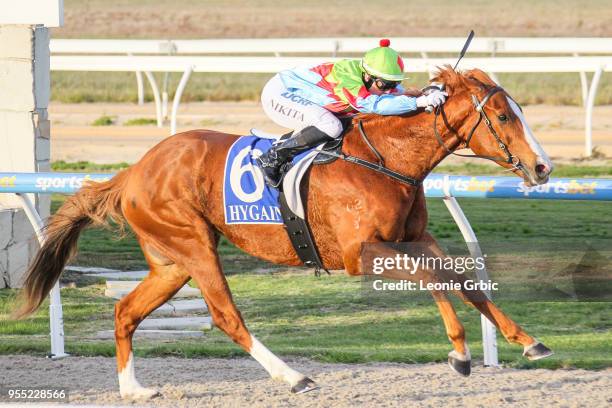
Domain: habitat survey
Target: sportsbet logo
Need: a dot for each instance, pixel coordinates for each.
(473, 184)
(560, 187)
(74, 182)
(8, 181)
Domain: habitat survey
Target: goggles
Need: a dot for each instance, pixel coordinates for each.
(386, 85)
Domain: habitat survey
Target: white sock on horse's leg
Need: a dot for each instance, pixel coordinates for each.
(276, 367)
(129, 387)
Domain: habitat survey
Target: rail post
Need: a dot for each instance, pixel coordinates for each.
(56, 315)
(489, 337)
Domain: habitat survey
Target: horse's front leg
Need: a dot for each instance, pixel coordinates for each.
(532, 349)
(373, 226)
(459, 358)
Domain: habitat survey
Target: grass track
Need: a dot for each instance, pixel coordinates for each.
(326, 319)
(329, 319)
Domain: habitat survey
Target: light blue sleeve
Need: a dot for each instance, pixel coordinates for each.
(386, 104)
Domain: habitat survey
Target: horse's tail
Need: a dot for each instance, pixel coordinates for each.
(93, 204)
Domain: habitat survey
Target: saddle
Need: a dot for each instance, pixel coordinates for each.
(297, 227)
(333, 146)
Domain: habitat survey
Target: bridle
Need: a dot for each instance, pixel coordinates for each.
(479, 107)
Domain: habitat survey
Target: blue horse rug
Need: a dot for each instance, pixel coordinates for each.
(247, 199)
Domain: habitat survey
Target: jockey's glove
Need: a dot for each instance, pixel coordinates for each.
(435, 99)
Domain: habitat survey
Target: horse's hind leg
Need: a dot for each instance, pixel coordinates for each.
(164, 280)
(206, 270)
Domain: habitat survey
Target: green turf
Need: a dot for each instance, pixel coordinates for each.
(104, 121)
(328, 319)
(140, 122)
(87, 167)
(332, 319)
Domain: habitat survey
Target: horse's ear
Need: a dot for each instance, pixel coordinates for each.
(480, 76)
(453, 81)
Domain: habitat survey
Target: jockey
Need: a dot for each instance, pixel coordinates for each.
(310, 100)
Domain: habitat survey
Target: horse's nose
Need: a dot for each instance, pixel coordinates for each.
(543, 169)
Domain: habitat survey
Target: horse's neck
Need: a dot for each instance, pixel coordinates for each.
(408, 145)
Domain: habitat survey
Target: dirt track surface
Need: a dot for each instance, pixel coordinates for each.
(320, 18)
(242, 382)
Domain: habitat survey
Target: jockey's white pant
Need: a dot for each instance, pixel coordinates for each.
(294, 112)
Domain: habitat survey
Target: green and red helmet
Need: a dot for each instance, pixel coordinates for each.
(383, 62)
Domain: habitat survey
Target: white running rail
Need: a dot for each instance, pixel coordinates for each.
(333, 46)
(189, 64)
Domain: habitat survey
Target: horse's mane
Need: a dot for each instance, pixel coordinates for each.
(457, 81)
(454, 82)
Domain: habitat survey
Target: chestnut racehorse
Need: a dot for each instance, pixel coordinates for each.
(172, 199)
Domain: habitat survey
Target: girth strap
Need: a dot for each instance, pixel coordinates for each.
(301, 237)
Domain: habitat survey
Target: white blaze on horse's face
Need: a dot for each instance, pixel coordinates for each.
(544, 165)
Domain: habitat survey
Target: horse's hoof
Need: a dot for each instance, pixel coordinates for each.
(304, 385)
(463, 367)
(537, 351)
(140, 393)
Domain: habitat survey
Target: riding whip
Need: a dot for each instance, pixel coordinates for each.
(429, 109)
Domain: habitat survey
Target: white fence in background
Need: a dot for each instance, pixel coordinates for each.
(189, 64)
(333, 46)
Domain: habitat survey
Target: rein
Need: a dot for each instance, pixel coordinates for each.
(479, 107)
(378, 167)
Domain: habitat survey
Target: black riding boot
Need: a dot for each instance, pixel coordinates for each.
(279, 154)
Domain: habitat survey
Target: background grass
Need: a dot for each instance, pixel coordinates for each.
(78, 87)
(201, 19)
(87, 166)
(328, 320)
(561, 170)
(104, 121)
(140, 122)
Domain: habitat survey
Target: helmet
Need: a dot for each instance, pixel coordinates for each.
(383, 62)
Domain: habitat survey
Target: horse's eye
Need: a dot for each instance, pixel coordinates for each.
(502, 118)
